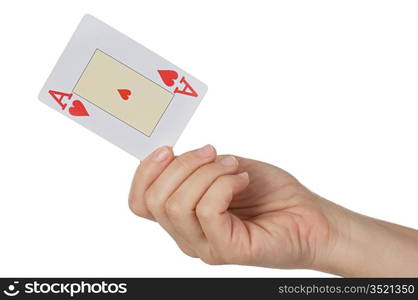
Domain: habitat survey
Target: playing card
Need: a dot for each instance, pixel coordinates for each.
(120, 90)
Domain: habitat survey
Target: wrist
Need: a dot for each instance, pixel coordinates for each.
(349, 243)
(329, 255)
(360, 246)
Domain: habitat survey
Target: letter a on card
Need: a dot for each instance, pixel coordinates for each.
(187, 90)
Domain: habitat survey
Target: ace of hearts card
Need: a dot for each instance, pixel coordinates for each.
(120, 90)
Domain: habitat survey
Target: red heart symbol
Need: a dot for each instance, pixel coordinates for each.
(168, 76)
(78, 109)
(124, 94)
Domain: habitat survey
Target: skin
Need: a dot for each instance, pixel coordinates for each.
(234, 210)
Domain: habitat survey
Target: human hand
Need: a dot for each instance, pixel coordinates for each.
(233, 210)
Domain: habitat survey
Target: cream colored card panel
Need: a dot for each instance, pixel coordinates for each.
(102, 79)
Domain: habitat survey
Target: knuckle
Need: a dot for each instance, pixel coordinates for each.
(204, 212)
(173, 208)
(188, 251)
(210, 260)
(135, 206)
(139, 211)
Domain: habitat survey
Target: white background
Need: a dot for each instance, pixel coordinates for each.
(324, 89)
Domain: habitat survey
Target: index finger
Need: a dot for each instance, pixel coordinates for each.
(146, 173)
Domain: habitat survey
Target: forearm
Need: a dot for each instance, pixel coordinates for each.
(413, 233)
(367, 247)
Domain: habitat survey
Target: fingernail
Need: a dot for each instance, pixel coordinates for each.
(160, 154)
(243, 175)
(205, 151)
(228, 161)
